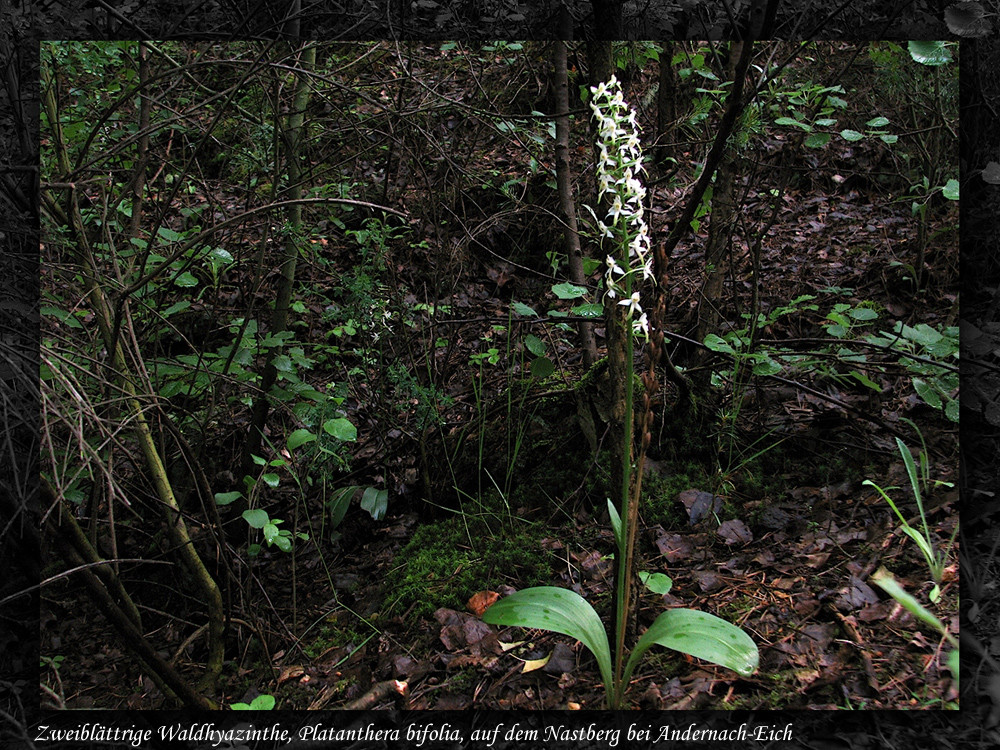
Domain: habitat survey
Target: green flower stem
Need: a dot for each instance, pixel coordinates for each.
(629, 507)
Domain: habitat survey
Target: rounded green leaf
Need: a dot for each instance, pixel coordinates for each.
(767, 367)
(568, 291)
(817, 140)
(186, 279)
(341, 428)
(542, 367)
(221, 255)
(718, 344)
(300, 437)
(534, 344)
(560, 611)
(863, 313)
(658, 583)
(951, 190)
(930, 53)
(878, 122)
(589, 310)
(851, 135)
(951, 410)
(257, 518)
(225, 498)
(522, 309)
(262, 703)
(701, 635)
(930, 396)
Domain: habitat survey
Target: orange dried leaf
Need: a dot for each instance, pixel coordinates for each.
(480, 602)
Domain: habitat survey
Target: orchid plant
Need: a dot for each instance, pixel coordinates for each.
(624, 230)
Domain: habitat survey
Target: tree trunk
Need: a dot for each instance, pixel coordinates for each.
(666, 102)
(564, 180)
(289, 258)
(721, 226)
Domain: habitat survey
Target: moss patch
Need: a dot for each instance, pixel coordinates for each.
(447, 562)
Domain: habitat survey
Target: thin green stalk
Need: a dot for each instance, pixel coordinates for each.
(629, 513)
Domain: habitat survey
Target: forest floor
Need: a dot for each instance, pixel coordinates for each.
(786, 551)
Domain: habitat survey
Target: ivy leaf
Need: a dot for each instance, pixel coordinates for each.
(817, 140)
(283, 363)
(951, 190)
(767, 367)
(863, 313)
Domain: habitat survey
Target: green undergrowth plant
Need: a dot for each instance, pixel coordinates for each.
(884, 580)
(937, 560)
(928, 355)
(262, 702)
(499, 431)
(561, 610)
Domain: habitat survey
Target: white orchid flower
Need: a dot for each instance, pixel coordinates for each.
(613, 266)
(633, 303)
(640, 326)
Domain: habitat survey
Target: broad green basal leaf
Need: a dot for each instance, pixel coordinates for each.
(701, 635)
(559, 610)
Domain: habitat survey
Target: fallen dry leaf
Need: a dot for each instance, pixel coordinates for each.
(530, 665)
(290, 673)
(481, 601)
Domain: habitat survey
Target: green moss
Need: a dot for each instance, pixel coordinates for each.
(447, 562)
(332, 636)
(659, 494)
